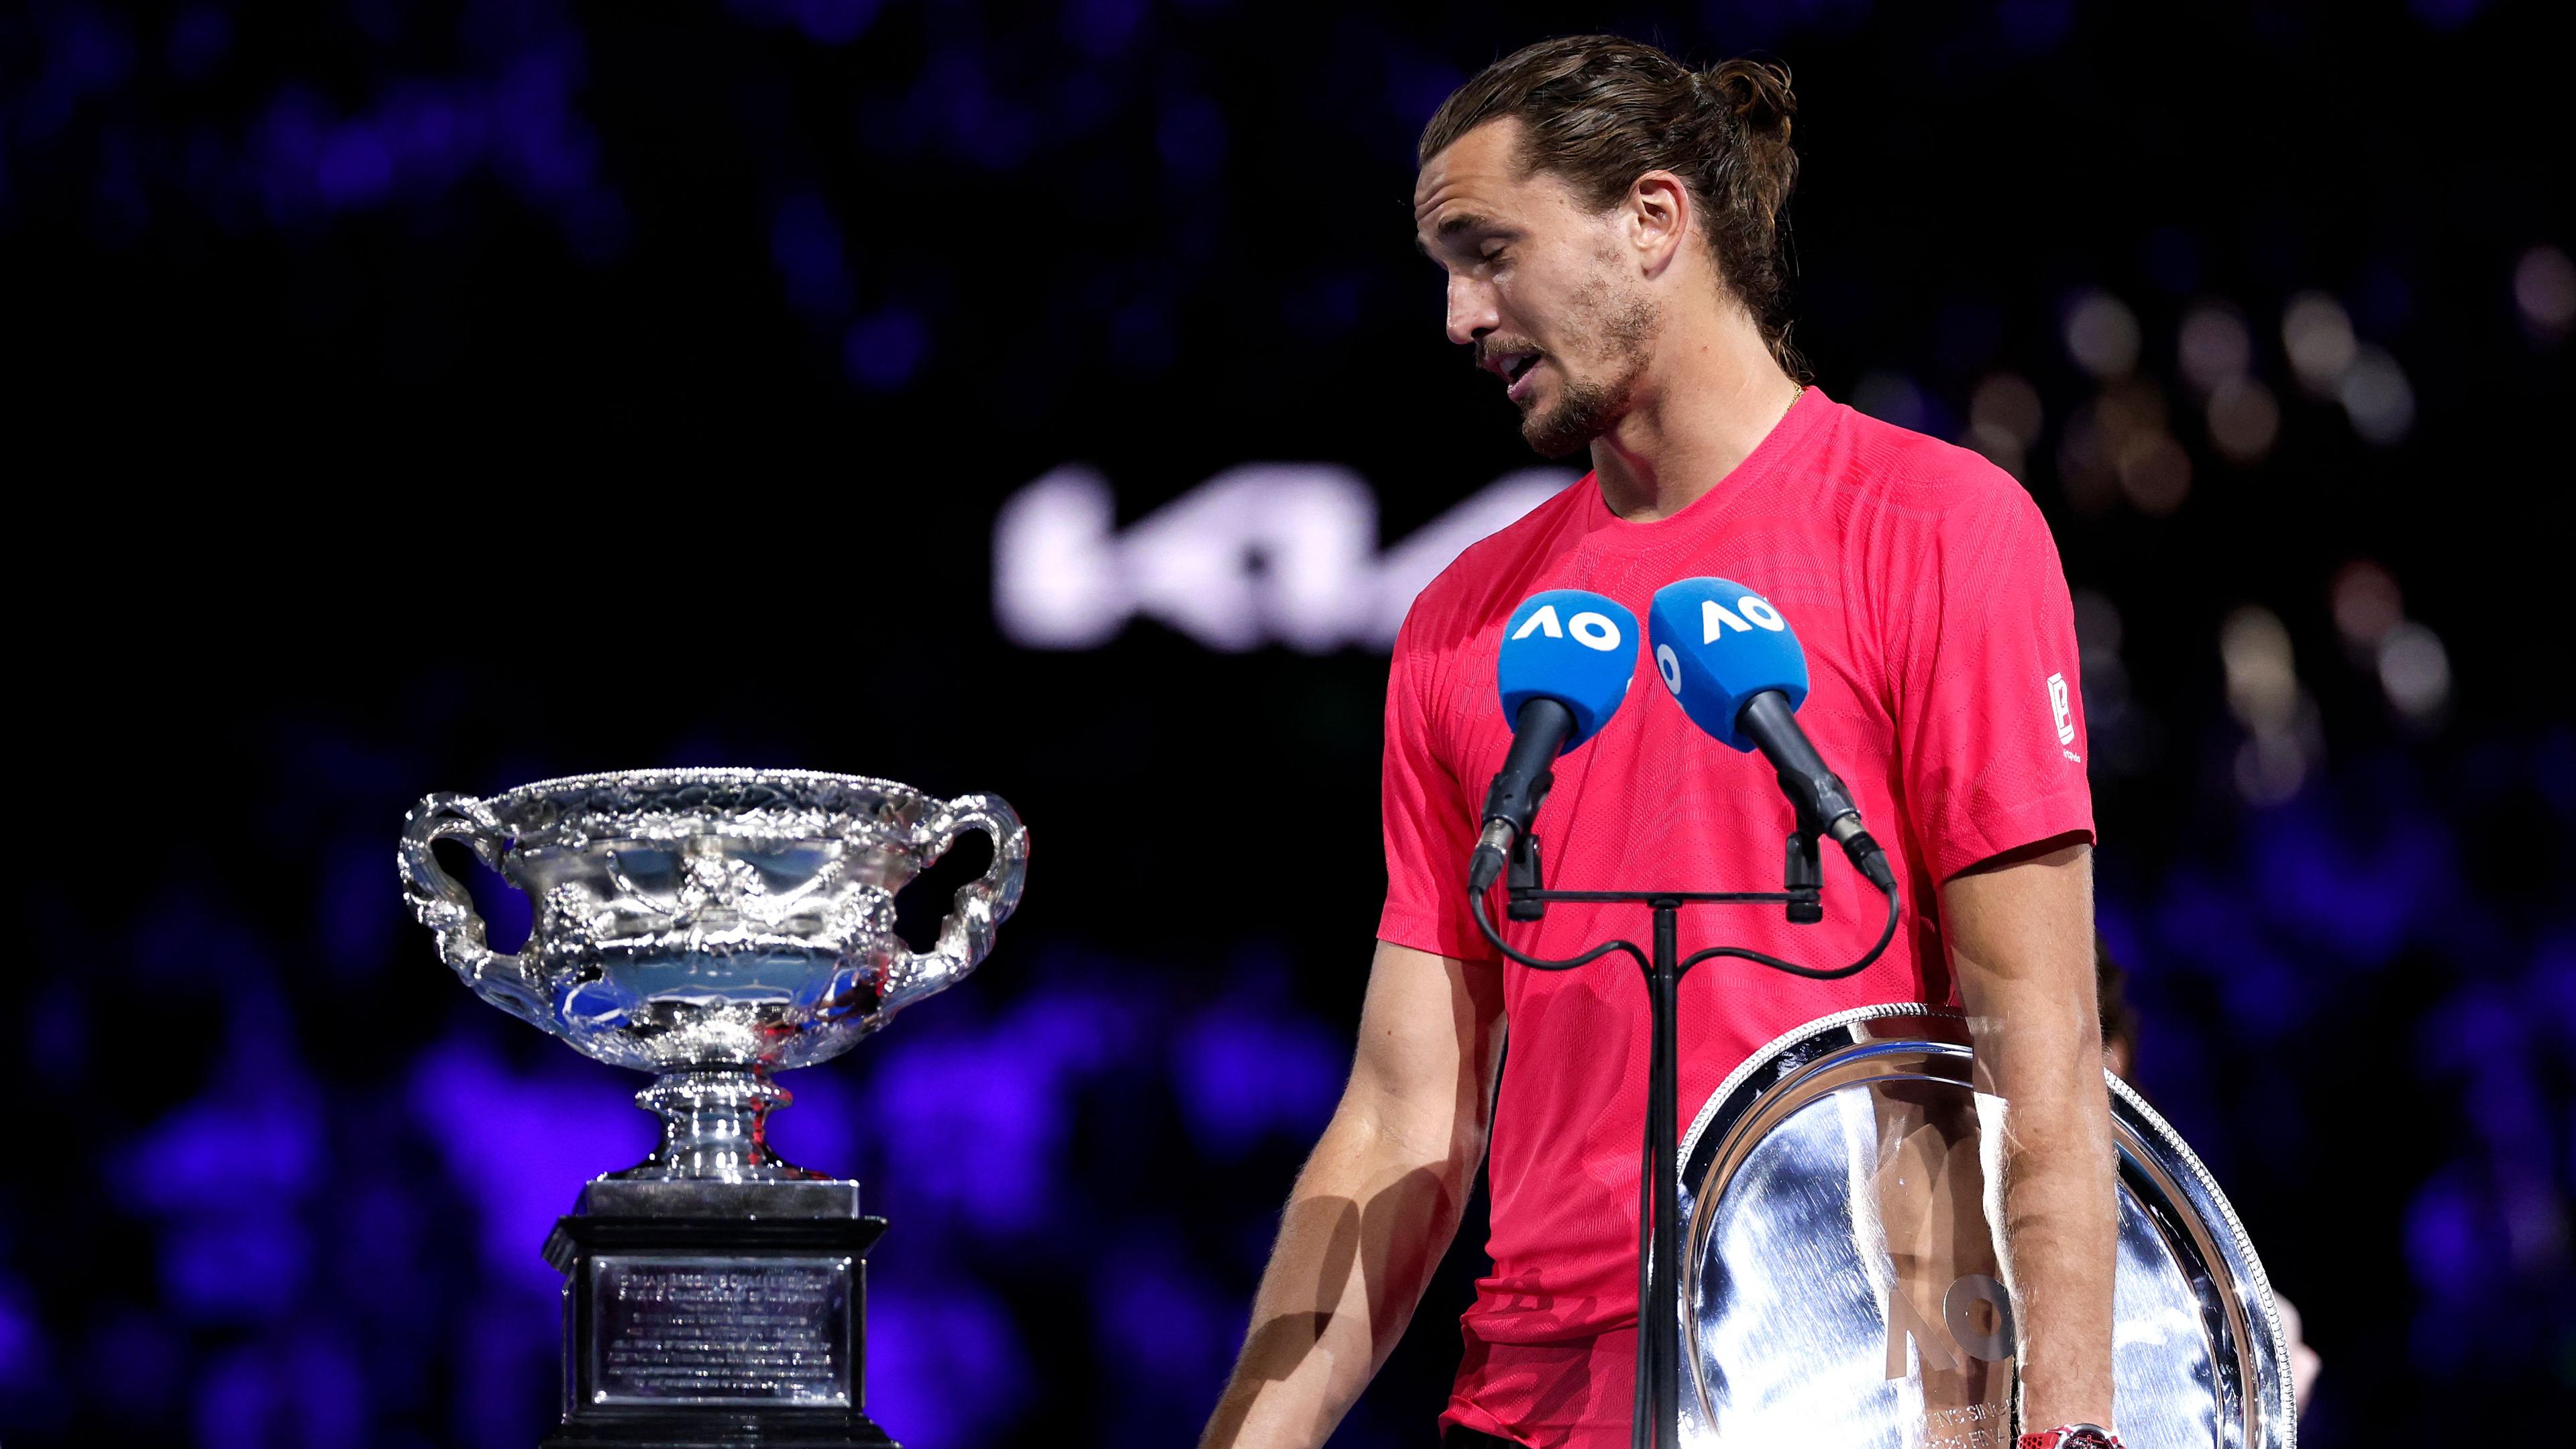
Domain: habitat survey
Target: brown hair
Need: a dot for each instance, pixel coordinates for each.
(1601, 111)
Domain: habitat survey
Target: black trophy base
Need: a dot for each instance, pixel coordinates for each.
(703, 1315)
(676, 1430)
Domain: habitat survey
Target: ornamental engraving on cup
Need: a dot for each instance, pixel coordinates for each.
(712, 925)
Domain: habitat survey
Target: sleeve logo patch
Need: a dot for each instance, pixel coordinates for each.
(2059, 705)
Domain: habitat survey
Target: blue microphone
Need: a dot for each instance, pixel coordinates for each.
(1734, 665)
(1566, 660)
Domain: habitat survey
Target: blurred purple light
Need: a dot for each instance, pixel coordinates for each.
(827, 22)
(805, 244)
(356, 917)
(235, 1402)
(1103, 28)
(200, 38)
(2451, 1239)
(2035, 27)
(23, 1359)
(2470, 1026)
(327, 1399)
(222, 1152)
(541, 146)
(136, 1365)
(835, 22)
(2263, 993)
(86, 52)
(2553, 769)
(945, 1368)
(2557, 988)
(58, 1030)
(505, 1370)
(247, 1264)
(1166, 1323)
(522, 1146)
(303, 1391)
(883, 352)
(2363, 896)
(824, 1125)
(435, 137)
(508, 915)
(355, 169)
(424, 136)
(1191, 137)
(594, 223)
(1892, 397)
(1244, 1075)
(985, 1114)
(2446, 14)
(1140, 335)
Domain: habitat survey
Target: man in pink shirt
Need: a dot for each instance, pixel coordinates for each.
(1608, 220)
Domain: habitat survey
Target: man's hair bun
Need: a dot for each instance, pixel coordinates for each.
(1758, 93)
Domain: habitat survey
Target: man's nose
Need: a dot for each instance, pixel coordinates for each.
(1471, 310)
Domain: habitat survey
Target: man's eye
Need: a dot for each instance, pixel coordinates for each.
(1492, 254)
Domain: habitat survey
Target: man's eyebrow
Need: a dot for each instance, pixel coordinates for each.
(1451, 225)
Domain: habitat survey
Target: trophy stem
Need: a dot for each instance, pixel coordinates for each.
(715, 1127)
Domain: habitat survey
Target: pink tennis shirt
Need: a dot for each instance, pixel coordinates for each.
(1941, 653)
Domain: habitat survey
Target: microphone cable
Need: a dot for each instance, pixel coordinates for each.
(1886, 934)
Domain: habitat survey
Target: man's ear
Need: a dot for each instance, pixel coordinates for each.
(1659, 220)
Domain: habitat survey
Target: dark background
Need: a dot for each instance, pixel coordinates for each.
(436, 397)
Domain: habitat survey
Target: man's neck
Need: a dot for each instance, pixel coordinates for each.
(1710, 395)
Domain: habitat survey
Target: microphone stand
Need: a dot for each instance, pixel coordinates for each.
(1655, 1413)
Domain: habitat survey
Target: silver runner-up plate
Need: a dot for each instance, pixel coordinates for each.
(1839, 1275)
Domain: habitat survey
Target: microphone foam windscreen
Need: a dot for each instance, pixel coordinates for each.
(1718, 644)
(1573, 646)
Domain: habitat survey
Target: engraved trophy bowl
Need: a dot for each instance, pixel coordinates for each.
(711, 926)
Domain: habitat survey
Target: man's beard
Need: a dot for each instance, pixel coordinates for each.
(1590, 407)
(1585, 412)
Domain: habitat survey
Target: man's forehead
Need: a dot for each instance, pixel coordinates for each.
(1482, 166)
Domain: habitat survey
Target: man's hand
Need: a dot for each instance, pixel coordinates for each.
(2020, 932)
(1375, 1206)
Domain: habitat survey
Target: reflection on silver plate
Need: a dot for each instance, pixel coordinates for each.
(1839, 1274)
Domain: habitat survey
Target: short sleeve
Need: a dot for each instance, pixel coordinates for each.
(1990, 719)
(1429, 822)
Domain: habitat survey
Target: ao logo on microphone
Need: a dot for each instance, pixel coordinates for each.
(1590, 629)
(1751, 612)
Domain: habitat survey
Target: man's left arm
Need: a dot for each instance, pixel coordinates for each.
(2020, 933)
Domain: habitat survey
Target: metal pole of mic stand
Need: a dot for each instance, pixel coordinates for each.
(1659, 1337)
(1663, 1132)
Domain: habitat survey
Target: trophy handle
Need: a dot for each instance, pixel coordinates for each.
(439, 901)
(980, 907)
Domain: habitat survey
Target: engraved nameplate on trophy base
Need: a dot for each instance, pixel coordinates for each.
(710, 1330)
(706, 1314)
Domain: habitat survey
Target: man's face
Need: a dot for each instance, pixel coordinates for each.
(1540, 285)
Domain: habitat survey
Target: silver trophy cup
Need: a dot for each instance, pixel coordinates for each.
(712, 926)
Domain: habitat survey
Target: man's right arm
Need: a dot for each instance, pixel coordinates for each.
(1376, 1204)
